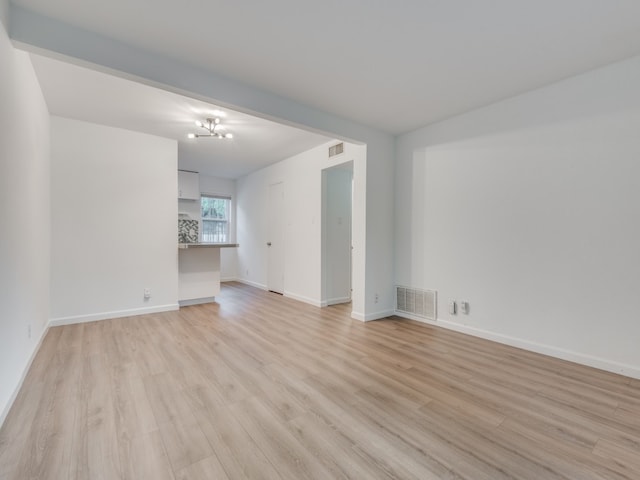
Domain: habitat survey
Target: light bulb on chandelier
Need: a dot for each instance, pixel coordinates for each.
(212, 127)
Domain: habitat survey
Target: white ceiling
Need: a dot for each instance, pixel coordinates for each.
(84, 94)
(396, 66)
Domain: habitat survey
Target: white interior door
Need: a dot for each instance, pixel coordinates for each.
(275, 242)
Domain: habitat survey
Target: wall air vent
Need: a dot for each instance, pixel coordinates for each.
(421, 303)
(336, 150)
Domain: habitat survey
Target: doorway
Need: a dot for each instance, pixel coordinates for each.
(275, 243)
(337, 206)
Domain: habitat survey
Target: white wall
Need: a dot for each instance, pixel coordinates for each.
(379, 237)
(302, 179)
(4, 15)
(114, 228)
(210, 185)
(24, 216)
(529, 210)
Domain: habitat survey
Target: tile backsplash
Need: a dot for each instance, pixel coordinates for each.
(187, 231)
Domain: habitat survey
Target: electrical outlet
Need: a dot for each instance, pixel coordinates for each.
(376, 298)
(453, 308)
(147, 293)
(464, 307)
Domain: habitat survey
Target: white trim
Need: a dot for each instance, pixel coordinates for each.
(16, 390)
(336, 301)
(224, 196)
(377, 315)
(368, 317)
(303, 299)
(632, 371)
(196, 301)
(252, 284)
(410, 316)
(229, 279)
(54, 322)
(229, 219)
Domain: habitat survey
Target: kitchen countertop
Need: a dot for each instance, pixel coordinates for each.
(206, 245)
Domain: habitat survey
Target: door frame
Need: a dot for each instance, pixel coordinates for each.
(275, 238)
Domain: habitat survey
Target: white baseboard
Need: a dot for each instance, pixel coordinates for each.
(335, 301)
(293, 296)
(229, 279)
(251, 284)
(196, 301)
(372, 316)
(569, 355)
(54, 322)
(303, 299)
(378, 315)
(25, 370)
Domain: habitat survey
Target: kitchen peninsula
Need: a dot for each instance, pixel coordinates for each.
(199, 272)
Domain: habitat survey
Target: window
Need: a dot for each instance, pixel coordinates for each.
(215, 218)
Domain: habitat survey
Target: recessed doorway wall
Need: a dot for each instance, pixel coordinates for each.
(337, 206)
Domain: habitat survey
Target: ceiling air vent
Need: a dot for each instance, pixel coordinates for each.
(421, 303)
(336, 150)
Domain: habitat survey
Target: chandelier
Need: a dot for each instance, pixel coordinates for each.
(212, 128)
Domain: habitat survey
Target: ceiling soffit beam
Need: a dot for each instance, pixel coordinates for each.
(44, 35)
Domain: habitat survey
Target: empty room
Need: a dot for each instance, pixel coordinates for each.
(320, 240)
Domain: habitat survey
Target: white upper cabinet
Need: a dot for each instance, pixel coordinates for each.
(188, 185)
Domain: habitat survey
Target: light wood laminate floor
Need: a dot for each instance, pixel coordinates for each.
(260, 386)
